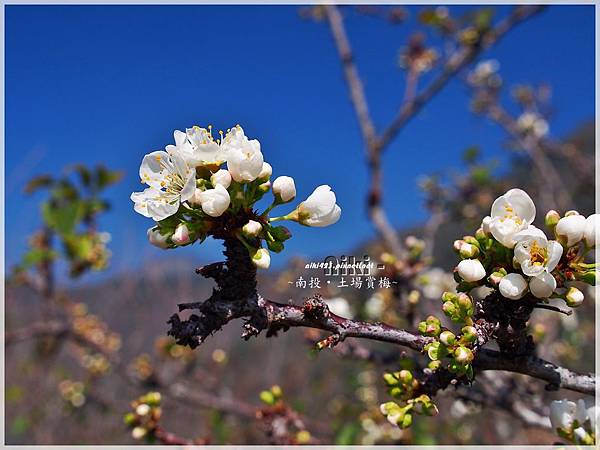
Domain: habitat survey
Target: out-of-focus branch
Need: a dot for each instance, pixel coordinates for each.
(547, 173)
(411, 105)
(455, 64)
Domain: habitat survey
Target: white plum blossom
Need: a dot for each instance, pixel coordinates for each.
(530, 122)
(339, 306)
(285, 188)
(513, 286)
(570, 229)
(471, 270)
(261, 258)
(181, 236)
(244, 158)
(214, 201)
(319, 209)
(584, 413)
(157, 239)
(537, 257)
(511, 213)
(265, 172)
(562, 414)
(252, 228)
(172, 181)
(197, 147)
(222, 177)
(574, 297)
(590, 234)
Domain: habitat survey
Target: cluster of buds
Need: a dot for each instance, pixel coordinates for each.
(141, 367)
(449, 350)
(192, 194)
(515, 258)
(402, 415)
(284, 426)
(145, 415)
(91, 328)
(416, 57)
(87, 250)
(73, 392)
(575, 422)
(403, 386)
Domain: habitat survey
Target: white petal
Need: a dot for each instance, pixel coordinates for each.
(543, 285)
(522, 204)
(513, 286)
(555, 251)
(160, 210)
(189, 187)
(152, 169)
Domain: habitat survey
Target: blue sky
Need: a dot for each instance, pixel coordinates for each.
(109, 83)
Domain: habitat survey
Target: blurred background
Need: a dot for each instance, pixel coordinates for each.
(91, 86)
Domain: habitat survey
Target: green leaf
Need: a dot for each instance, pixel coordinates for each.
(105, 177)
(38, 182)
(63, 219)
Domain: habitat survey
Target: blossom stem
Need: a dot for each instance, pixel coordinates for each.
(271, 206)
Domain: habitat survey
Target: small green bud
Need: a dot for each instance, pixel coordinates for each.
(495, 278)
(471, 240)
(267, 397)
(468, 251)
(405, 376)
(264, 187)
(449, 308)
(551, 219)
(480, 235)
(572, 212)
(449, 296)
(276, 390)
(463, 355)
(434, 365)
(129, 419)
(433, 351)
(447, 338)
(390, 379)
(469, 334)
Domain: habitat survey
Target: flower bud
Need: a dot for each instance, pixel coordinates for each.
(468, 251)
(284, 189)
(214, 201)
(496, 277)
(390, 379)
(469, 334)
(405, 376)
(463, 355)
(471, 240)
(261, 258)
(264, 187)
(138, 433)
(591, 231)
(434, 365)
(142, 409)
(471, 270)
(552, 218)
(222, 177)
(513, 286)
(157, 239)
(480, 234)
(485, 224)
(181, 235)
(448, 338)
(252, 229)
(572, 212)
(449, 308)
(574, 297)
(458, 244)
(265, 172)
(449, 296)
(570, 229)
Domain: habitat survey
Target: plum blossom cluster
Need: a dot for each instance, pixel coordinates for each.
(203, 186)
(511, 255)
(575, 422)
(519, 268)
(145, 416)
